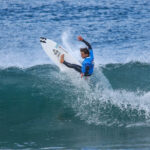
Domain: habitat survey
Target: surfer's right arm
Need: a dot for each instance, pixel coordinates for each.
(84, 41)
(89, 47)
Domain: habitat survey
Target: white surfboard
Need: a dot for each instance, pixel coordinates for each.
(54, 51)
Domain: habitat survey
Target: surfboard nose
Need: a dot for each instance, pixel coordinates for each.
(43, 39)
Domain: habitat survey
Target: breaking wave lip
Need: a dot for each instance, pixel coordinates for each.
(93, 100)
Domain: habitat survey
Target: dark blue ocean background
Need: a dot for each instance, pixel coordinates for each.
(44, 108)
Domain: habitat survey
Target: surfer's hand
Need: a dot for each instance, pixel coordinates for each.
(82, 75)
(80, 38)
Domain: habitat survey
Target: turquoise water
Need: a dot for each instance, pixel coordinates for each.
(43, 108)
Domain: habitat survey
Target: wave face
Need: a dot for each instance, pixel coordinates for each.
(133, 76)
(118, 99)
(42, 100)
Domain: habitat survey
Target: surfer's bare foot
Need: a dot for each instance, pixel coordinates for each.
(62, 58)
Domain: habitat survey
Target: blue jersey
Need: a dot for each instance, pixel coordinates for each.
(88, 64)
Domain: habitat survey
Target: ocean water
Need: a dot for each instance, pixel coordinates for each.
(44, 108)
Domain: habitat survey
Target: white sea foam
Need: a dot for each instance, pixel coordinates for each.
(97, 103)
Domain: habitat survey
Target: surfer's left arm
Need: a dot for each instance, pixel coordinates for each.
(82, 75)
(83, 69)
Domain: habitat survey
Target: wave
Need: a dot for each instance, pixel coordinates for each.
(132, 76)
(116, 95)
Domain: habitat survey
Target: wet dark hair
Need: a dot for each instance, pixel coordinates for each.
(85, 50)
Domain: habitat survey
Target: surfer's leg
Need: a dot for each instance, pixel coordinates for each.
(69, 65)
(74, 66)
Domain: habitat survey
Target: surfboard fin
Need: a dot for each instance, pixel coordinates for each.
(42, 39)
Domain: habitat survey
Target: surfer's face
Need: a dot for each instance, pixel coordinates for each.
(83, 55)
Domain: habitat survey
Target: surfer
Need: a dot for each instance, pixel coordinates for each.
(88, 63)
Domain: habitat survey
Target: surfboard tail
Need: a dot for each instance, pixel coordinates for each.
(43, 39)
